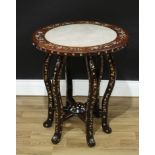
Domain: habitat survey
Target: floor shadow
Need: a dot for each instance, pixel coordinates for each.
(118, 106)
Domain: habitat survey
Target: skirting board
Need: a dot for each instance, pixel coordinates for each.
(80, 88)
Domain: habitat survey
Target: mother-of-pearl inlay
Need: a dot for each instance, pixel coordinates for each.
(80, 35)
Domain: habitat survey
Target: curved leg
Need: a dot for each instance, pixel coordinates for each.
(91, 100)
(99, 78)
(57, 100)
(105, 100)
(47, 81)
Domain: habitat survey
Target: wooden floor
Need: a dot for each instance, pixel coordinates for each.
(33, 139)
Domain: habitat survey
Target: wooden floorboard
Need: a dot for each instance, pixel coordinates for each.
(34, 139)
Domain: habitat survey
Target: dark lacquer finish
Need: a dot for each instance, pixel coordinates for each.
(96, 110)
(69, 90)
(57, 99)
(47, 81)
(92, 97)
(105, 100)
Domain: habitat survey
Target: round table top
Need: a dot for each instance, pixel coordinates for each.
(78, 38)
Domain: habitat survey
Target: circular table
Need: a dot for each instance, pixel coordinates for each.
(80, 38)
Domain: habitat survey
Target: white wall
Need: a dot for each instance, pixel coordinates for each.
(80, 88)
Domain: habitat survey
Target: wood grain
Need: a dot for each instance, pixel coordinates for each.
(34, 139)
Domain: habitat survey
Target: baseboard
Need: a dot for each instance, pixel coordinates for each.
(37, 88)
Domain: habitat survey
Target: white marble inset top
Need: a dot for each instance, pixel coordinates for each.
(80, 35)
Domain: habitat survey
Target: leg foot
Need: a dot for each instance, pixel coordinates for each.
(107, 129)
(56, 138)
(91, 141)
(48, 123)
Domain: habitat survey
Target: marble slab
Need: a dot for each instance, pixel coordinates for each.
(80, 35)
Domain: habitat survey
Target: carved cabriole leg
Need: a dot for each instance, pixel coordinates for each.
(105, 100)
(47, 81)
(99, 78)
(57, 100)
(91, 100)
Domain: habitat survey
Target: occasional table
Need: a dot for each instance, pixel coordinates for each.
(86, 39)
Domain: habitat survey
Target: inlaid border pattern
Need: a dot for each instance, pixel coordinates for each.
(39, 41)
